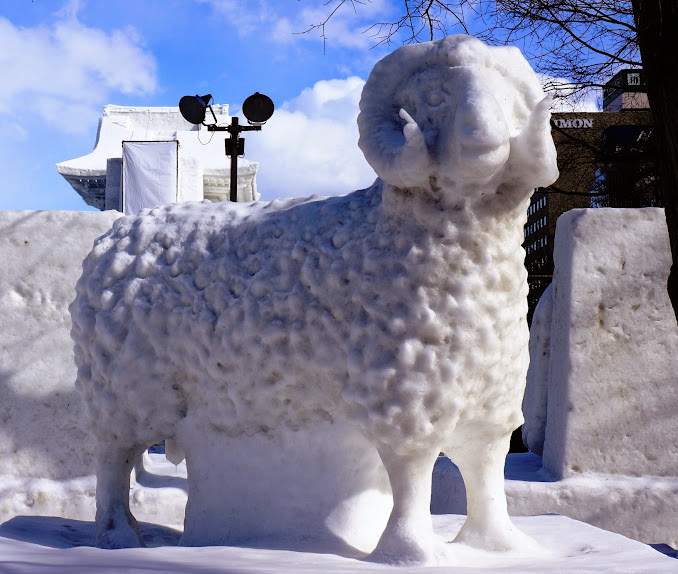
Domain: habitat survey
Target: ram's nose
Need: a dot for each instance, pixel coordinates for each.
(476, 143)
(479, 122)
(482, 136)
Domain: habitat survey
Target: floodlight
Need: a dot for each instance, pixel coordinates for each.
(193, 108)
(258, 108)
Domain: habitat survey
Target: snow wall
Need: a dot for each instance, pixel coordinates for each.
(46, 450)
(601, 390)
(42, 431)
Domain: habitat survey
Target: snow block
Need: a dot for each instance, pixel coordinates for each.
(612, 401)
(43, 432)
(288, 489)
(536, 391)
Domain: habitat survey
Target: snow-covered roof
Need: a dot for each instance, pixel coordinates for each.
(87, 174)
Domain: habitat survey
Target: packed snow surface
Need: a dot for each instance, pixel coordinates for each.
(46, 545)
(398, 310)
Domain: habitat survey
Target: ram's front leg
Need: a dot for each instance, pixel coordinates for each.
(116, 526)
(408, 537)
(488, 526)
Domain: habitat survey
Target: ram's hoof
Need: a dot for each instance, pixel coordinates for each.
(414, 550)
(118, 535)
(496, 537)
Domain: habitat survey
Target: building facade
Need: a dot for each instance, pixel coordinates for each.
(202, 168)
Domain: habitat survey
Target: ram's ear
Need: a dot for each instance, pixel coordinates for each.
(533, 154)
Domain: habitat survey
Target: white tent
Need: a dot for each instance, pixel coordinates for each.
(150, 174)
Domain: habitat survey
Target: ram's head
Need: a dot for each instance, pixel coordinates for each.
(456, 111)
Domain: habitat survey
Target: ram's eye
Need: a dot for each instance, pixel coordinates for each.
(435, 98)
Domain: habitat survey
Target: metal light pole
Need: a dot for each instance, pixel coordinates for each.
(258, 108)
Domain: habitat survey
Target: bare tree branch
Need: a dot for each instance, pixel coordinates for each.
(579, 43)
(420, 20)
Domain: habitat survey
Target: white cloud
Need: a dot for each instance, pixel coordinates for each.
(12, 130)
(310, 145)
(70, 9)
(567, 97)
(246, 17)
(345, 29)
(66, 71)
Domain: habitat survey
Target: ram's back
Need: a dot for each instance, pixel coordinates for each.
(239, 310)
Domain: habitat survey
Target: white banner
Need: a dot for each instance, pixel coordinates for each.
(149, 174)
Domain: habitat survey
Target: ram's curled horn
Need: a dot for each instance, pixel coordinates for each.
(388, 133)
(390, 138)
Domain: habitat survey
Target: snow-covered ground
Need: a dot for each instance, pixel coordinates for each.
(46, 544)
(36, 545)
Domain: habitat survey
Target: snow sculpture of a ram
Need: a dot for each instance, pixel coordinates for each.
(399, 309)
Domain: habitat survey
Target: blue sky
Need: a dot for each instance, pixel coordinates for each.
(61, 61)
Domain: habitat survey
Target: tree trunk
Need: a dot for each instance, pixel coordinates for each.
(657, 29)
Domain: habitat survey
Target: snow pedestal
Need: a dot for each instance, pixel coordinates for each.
(287, 489)
(601, 401)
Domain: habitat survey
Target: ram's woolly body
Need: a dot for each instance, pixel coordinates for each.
(277, 313)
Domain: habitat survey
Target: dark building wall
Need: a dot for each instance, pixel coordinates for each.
(605, 160)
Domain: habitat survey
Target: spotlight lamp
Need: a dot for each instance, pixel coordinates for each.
(193, 108)
(257, 108)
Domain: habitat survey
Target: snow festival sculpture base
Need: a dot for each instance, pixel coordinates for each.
(398, 310)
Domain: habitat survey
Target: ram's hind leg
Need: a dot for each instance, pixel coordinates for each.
(408, 537)
(116, 527)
